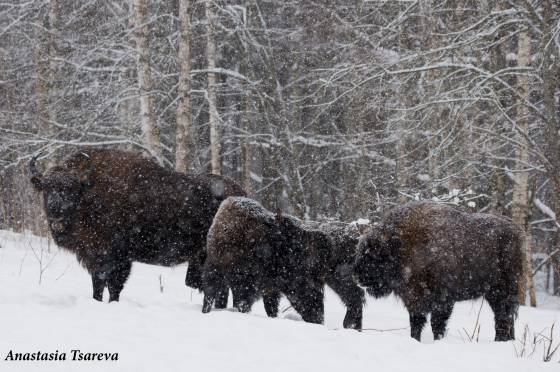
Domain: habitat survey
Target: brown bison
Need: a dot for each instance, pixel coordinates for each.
(432, 255)
(256, 253)
(113, 207)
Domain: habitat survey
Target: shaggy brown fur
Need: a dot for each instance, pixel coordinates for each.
(113, 207)
(432, 255)
(257, 253)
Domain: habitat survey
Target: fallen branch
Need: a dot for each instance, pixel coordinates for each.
(543, 262)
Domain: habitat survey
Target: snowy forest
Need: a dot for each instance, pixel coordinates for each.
(322, 109)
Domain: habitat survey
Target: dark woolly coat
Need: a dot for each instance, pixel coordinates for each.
(121, 207)
(432, 255)
(257, 253)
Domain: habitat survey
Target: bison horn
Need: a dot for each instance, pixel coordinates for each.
(279, 216)
(36, 175)
(85, 177)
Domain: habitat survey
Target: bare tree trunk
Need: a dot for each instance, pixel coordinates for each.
(498, 183)
(184, 111)
(555, 262)
(149, 128)
(215, 145)
(432, 117)
(246, 151)
(529, 271)
(46, 71)
(41, 89)
(54, 16)
(520, 207)
(551, 79)
(128, 107)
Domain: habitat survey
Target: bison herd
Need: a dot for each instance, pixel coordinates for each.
(111, 208)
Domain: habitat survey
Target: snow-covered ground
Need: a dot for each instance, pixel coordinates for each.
(161, 328)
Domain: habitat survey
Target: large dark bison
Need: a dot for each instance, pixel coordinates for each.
(257, 253)
(432, 255)
(113, 207)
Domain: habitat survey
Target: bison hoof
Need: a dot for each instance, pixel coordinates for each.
(501, 338)
(206, 307)
(352, 325)
(243, 307)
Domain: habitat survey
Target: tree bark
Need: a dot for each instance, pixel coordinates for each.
(150, 131)
(46, 71)
(520, 207)
(246, 151)
(551, 79)
(184, 110)
(215, 144)
(54, 15)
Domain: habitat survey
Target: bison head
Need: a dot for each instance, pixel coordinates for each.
(377, 262)
(62, 191)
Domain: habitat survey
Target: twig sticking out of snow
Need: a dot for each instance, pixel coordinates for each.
(475, 334)
(550, 347)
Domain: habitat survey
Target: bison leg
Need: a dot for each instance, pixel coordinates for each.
(207, 303)
(212, 283)
(417, 322)
(194, 274)
(439, 318)
(505, 311)
(244, 288)
(116, 280)
(244, 297)
(221, 298)
(308, 302)
(271, 303)
(216, 297)
(352, 296)
(98, 282)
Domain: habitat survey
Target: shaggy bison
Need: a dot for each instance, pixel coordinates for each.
(113, 207)
(256, 253)
(432, 255)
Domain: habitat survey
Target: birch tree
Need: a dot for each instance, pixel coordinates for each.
(46, 69)
(184, 111)
(214, 118)
(550, 73)
(520, 206)
(148, 123)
